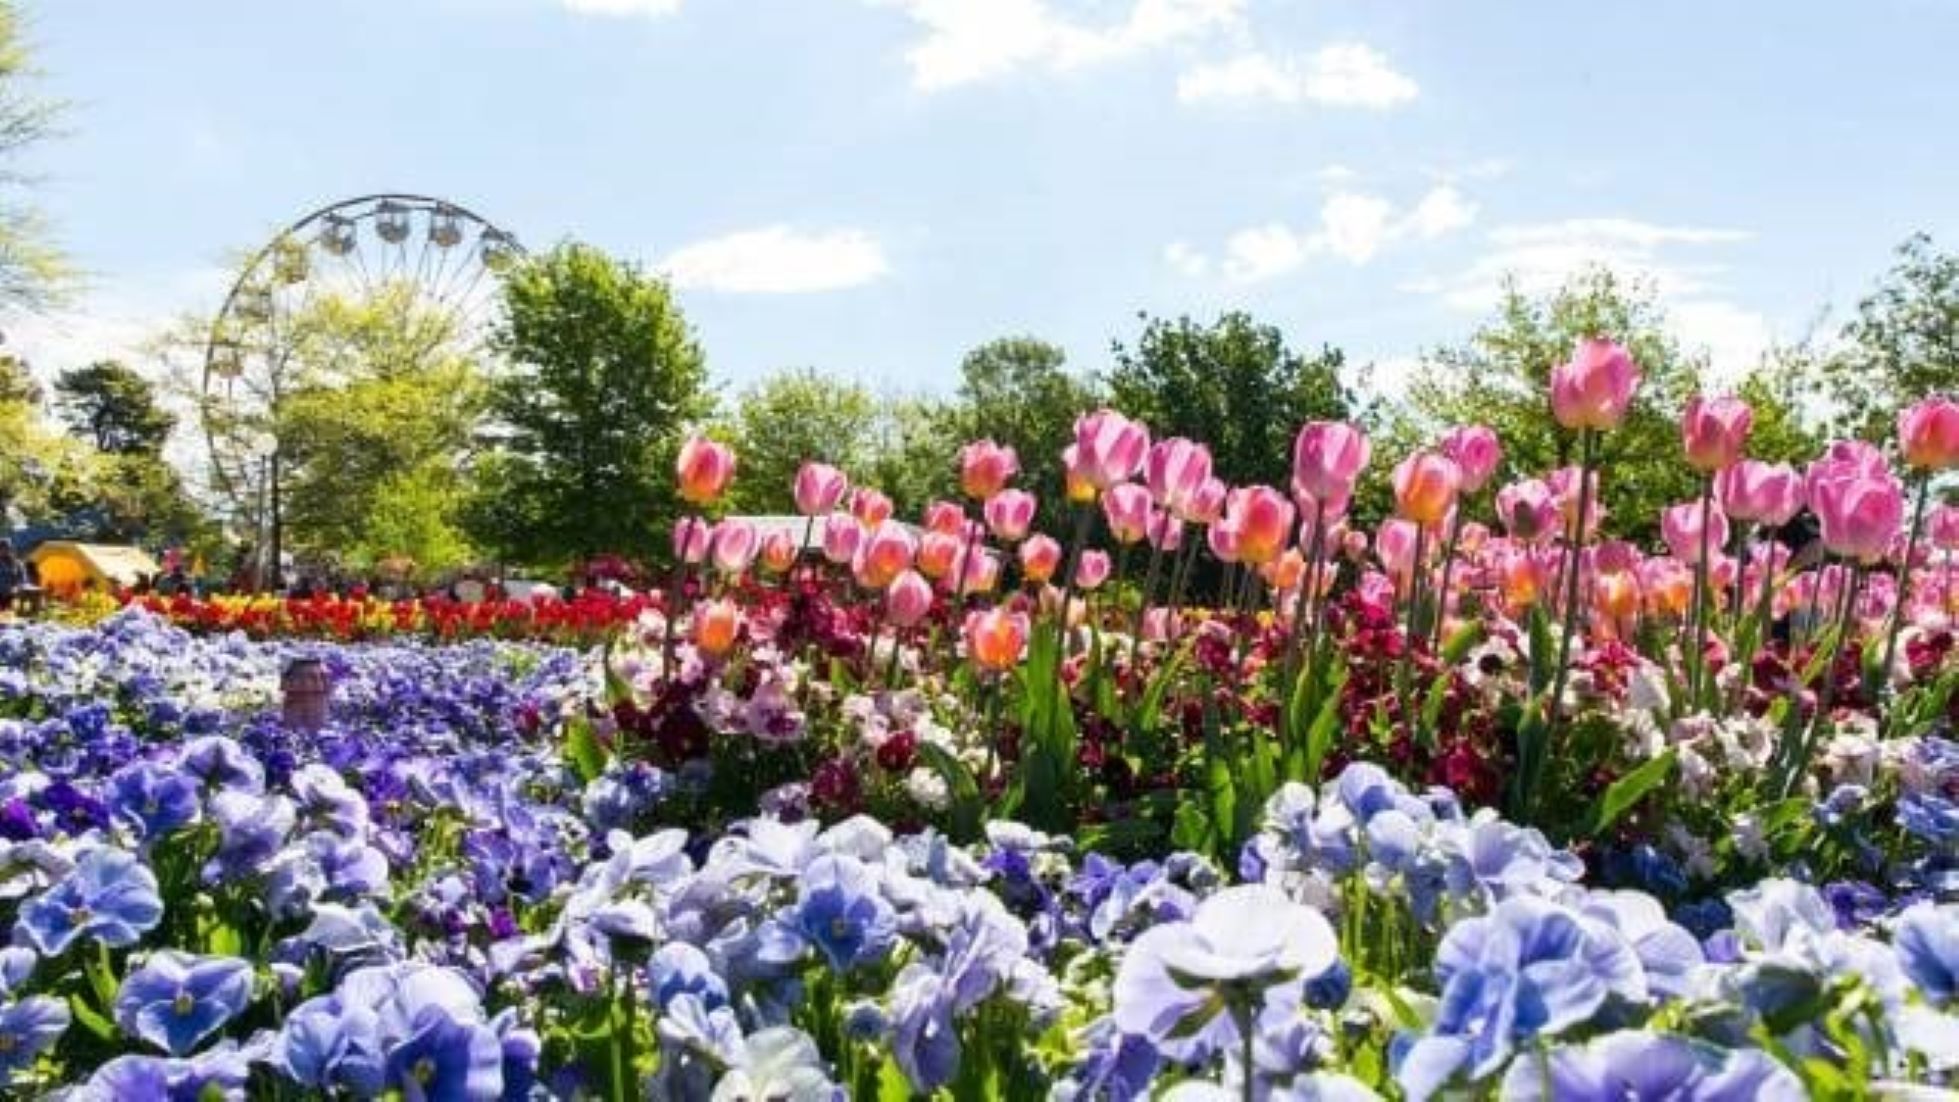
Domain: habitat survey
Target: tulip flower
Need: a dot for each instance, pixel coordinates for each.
(944, 516)
(1860, 515)
(1714, 431)
(985, 468)
(1175, 470)
(995, 638)
(1109, 448)
(819, 487)
(733, 545)
(1942, 528)
(1092, 570)
(1680, 526)
(704, 469)
(841, 535)
(1009, 514)
(1476, 452)
(1616, 595)
(870, 507)
(1207, 504)
(1166, 531)
(1040, 557)
(1595, 388)
(716, 624)
(1327, 458)
(690, 540)
(938, 552)
(980, 572)
(1425, 486)
(1765, 493)
(1258, 520)
(1928, 435)
(1394, 545)
(909, 599)
(779, 552)
(1529, 510)
(1127, 509)
(886, 552)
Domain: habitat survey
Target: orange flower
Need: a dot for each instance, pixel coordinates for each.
(996, 638)
(716, 625)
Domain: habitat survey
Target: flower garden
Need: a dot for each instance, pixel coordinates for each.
(1245, 801)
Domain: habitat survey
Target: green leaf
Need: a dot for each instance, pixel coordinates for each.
(1462, 642)
(1431, 717)
(1319, 737)
(1628, 790)
(968, 806)
(95, 1023)
(584, 751)
(1543, 650)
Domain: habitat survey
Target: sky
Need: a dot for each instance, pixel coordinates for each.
(873, 187)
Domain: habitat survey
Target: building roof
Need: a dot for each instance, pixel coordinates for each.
(116, 563)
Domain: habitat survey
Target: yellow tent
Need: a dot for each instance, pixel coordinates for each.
(67, 567)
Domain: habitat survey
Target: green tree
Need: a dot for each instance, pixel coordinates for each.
(915, 453)
(114, 408)
(1902, 346)
(1018, 391)
(792, 417)
(604, 377)
(1778, 390)
(1501, 378)
(43, 473)
(382, 401)
(32, 270)
(1233, 384)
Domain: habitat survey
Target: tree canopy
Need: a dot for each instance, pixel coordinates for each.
(33, 271)
(792, 417)
(602, 378)
(114, 408)
(1902, 345)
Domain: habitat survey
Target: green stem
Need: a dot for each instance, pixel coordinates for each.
(1903, 588)
(1555, 706)
(1697, 660)
(1448, 561)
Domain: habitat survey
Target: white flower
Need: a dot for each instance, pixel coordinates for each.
(927, 789)
(1750, 843)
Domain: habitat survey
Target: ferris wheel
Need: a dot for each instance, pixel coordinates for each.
(439, 257)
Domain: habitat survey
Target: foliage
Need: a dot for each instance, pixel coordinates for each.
(43, 474)
(1903, 343)
(792, 417)
(33, 272)
(1234, 384)
(114, 408)
(603, 378)
(381, 408)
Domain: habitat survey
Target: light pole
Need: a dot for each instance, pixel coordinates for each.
(265, 448)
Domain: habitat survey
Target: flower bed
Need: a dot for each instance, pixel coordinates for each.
(981, 813)
(589, 617)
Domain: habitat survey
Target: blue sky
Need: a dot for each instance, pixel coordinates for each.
(871, 187)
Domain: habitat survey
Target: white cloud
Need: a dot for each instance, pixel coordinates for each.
(1346, 74)
(1540, 257)
(1353, 226)
(623, 7)
(973, 40)
(777, 260)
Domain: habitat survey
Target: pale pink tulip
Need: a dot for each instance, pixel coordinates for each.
(1126, 507)
(1928, 434)
(1109, 448)
(869, 507)
(885, 552)
(1680, 525)
(1175, 469)
(1009, 514)
(1092, 570)
(733, 545)
(819, 487)
(1765, 493)
(703, 469)
(1476, 451)
(1714, 431)
(1040, 557)
(841, 535)
(690, 539)
(909, 599)
(1425, 486)
(1595, 388)
(1327, 457)
(985, 468)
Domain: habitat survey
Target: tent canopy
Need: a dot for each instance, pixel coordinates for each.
(65, 565)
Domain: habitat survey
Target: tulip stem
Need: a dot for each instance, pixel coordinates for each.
(1903, 589)
(1143, 599)
(1448, 561)
(1805, 747)
(1574, 555)
(1697, 660)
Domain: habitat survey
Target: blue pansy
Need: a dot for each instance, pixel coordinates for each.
(840, 911)
(27, 1028)
(1927, 943)
(109, 896)
(176, 1000)
(443, 1058)
(1636, 1066)
(153, 797)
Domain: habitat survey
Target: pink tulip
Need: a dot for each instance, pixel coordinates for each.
(1680, 525)
(1353, 544)
(779, 552)
(1425, 486)
(1207, 504)
(909, 599)
(715, 627)
(734, 545)
(1009, 514)
(1529, 510)
(1714, 431)
(1127, 509)
(704, 468)
(1327, 457)
(1157, 624)
(869, 507)
(690, 539)
(1222, 540)
(1476, 452)
(1166, 531)
(841, 535)
(1040, 557)
(1613, 557)
(1942, 527)
(1092, 570)
(944, 516)
(1394, 545)
(1595, 389)
(981, 572)
(885, 552)
(1928, 434)
(1258, 522)
(1860, 514)
(1109, 448)
(937, 552)
(819, 487)
(995, 638)
(985, 468)
(1765, 493)
(1175, 469)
